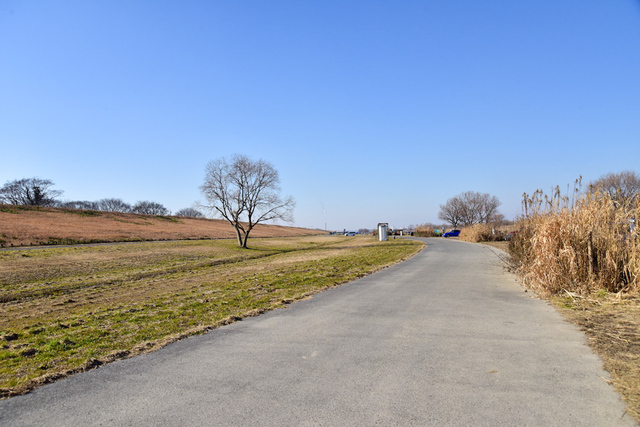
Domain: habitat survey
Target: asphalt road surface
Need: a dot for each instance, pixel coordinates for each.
(445, 338)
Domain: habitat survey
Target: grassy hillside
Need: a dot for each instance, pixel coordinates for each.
(25, 226)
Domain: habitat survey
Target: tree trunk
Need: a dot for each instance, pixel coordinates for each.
(246, 237)
(243, 244)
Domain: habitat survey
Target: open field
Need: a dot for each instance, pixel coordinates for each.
(68, 309)
(24, 226)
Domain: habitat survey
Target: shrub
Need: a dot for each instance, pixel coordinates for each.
(482, 233)
(425, 231)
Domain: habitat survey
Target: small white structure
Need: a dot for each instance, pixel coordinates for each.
(382, 231)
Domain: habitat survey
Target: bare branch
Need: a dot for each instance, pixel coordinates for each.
(469, 208)
(622, 187)
(29, 191)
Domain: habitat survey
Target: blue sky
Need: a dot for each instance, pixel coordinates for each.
(372, 111)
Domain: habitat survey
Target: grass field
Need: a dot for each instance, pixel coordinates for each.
(69, 309)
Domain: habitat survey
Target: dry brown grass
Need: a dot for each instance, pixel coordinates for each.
(425, 231)
(484, 233)
(22, 226)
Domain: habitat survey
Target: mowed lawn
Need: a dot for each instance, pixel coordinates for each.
(69, 309)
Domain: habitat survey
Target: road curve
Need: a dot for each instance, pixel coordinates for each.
(445, 338)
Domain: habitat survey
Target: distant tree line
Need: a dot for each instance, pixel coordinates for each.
(471, 208)
(243, 191)
(39, 192)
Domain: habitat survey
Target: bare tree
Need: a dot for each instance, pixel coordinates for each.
(499, 219)
(453, 212)
(79, 204)
(114, 205)
(29, 191)
(623, 187)
(487, 208)
(149, 208)
(472, 208)
(469, 208)
(190, 212)
(245, 193)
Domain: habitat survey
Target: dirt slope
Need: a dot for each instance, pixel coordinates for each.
(25, 226)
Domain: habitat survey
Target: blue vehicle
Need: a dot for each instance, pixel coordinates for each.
(452, 233)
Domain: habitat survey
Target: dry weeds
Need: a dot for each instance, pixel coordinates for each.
(484, 233)
(502, 245)
(582, 248)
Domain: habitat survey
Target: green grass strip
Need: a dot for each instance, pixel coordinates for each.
(71, 309)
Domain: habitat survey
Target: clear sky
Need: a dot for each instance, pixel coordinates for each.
(372, 111)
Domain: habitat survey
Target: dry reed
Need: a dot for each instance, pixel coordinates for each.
(483, 233)
(578, 244)
(425, 231)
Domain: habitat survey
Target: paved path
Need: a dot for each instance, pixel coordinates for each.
(446, 338)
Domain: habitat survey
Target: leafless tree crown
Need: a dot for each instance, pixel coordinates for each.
(146, 207)
(190, 212)
(78, 204)
(29, 191)
(245, 193)
(623, 187)
(114, 205)
(469, 208)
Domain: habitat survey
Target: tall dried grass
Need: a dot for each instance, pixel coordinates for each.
(425, 231)
(578, 243)
(483, 233)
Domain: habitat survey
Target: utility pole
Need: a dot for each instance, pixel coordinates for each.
(324, 212)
